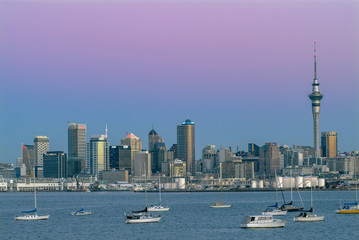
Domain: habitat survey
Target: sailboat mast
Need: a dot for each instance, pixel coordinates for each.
(159, 186)
(291, 191)
(35, 189)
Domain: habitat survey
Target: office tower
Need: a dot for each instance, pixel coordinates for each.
(41, 146)
(209, 159)
(98, 154)
(153, 138)
(142, 164)
(270, 160)
(315, 97)
(134, 144)
(329, 144)
(125, 156)
(186, 145)
(114, 157)
(76, 148)
(28, 157)
(177, 168)
(55, 164)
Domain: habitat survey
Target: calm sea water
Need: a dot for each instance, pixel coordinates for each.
(189, 217)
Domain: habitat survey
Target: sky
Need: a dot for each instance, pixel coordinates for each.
(241, 70)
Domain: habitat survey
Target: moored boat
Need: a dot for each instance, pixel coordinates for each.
(81, 212)
(262, 221)
(220, 205)
(349, 208)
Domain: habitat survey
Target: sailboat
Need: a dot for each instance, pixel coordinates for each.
(143, 216)
(158, 207)
(289, 206)
(274, 210)
(32, 214)
(351, 207)
(81, 212)
(220, 204)
(307, 215)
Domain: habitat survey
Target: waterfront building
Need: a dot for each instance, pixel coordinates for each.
(112, 176)
(269, 159)
(186, 145)
(237, 169)
(134, 145)
(76, 148)
(177, 168)
(55, 165)
(41, 146)
(142, 164)
(329, 144)
(315, 97)
(98, 154)
(28, 157)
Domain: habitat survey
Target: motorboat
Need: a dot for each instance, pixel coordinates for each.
(220, 205)
(262, 221)
(81, 212)
(274, 212)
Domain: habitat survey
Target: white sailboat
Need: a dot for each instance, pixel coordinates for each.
(81, 212)
(143, 216)
(309, 216)
(351, 207)
(32, 215)
(220, 204)
(274, 210)
(158, 207)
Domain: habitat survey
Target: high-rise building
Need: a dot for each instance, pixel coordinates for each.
(153, 138)
(55, 164)
(329, 144)
(28, 157)
(76, 148)
(209, 159)
(186, 145)
(315, 97)
(98, 154)
(142, 164)
(135, 145)
(270, 161)
(158, 156)
(114, 157)
(253, 149)
(41, 146)
(125, 157)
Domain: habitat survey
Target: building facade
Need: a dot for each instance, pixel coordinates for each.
(28, 157)
(329, 144)
(76, 148)
(134, 145)
(55, 165)
(142, 164)
(41, 146)
(98, 154)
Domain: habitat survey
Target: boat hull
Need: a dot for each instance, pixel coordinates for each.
(32, 217)
(81, 213)
(220, 206)
(310, 218)
(146, 220)
(277, 224)
(348, 211)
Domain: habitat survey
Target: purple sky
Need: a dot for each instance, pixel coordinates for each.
(241, 70)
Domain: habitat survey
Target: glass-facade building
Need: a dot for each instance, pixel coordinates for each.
(186, 145)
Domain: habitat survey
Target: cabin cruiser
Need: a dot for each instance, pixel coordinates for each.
(262, 221)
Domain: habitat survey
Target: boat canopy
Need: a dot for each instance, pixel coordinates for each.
(351, 204)
(274, 206)
(81, 210)
(31, 211)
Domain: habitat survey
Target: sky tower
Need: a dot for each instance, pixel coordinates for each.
(315, 97)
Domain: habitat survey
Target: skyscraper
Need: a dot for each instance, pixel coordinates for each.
(186, 144)
(28, 157)
(98, 154)
(329, 144)
(135, 145)
(315, 97)
(153, 138)
(41, 146)
(269, 159)
(76, 148)
(142, 164)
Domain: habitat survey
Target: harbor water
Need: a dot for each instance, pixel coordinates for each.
(190, 216)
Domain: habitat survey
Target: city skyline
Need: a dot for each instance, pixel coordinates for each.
(240, 70)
